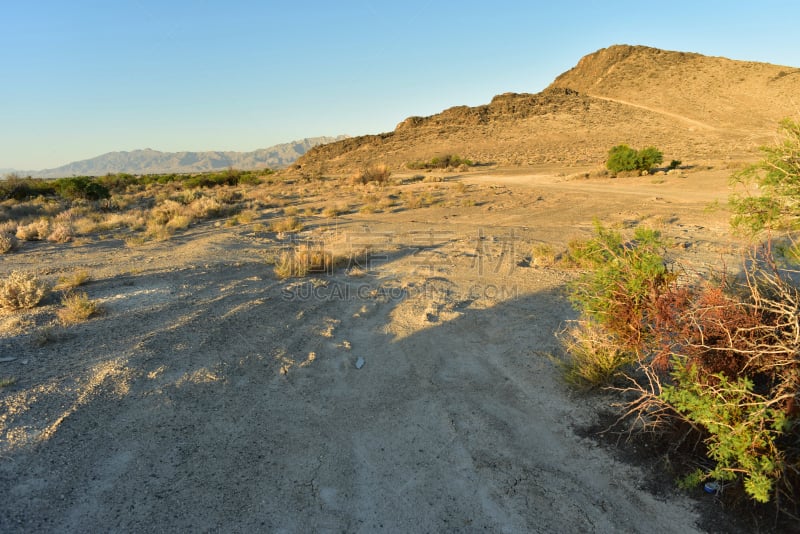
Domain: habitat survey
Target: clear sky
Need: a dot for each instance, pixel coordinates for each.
(80, 78)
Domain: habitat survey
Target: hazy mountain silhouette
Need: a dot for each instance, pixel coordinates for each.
(150, 161)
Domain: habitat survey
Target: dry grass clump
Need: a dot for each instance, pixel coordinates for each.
(205, 208)
(420, 199)
(8, 243)
(73, 280)
(306, 259)
(246, 216)
(303, 260)
(77, 307)
(594, 355)
(543, 255)
(332, 212)
(288, 224)
(21, 290)
(378, 174)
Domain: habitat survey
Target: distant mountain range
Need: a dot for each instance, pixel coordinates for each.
(150, 161)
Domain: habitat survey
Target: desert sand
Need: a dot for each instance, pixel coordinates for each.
(414, 390)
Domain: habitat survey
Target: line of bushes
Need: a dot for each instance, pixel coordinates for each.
(98, 188)
(449, 161)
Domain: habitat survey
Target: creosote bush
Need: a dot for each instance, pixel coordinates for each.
(8, 243)
(21, 290)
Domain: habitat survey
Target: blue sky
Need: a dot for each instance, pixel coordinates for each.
(81, 78)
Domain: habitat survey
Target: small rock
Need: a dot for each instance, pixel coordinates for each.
(360, 362)
(4, 360)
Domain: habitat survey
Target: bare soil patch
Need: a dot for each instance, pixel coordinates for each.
(412, 390)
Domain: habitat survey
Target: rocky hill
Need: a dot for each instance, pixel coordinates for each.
(689, 105)
(150, 161)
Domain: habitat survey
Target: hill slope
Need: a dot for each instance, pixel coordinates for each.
(149, 161)
(715, 91)
(689, 105)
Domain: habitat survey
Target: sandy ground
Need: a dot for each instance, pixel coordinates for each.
(418, 396)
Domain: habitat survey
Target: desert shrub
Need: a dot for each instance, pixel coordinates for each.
(71, 281)
(34, 231)
(777, 177)
(77, 307)
(21, 290)
(378, 174)
(303, 260)
(543, 255)
(595, 356)
(331, 212)
(205, 208)
(16, 188)
(647, 158)
(622, 158)
(8, 243)
(625, 277)
(441, 162)
(228, 177)
(61, 233)
(82, 187)
(119, 182)
(674, 164)
(744, 428)
(720, 360)
(288, 224)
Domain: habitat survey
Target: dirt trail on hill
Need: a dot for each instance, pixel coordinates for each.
(678, 116)
(418, 395)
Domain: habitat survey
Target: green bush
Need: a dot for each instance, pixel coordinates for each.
(80, 187)
(618, 300)
(744, 428)
(777, 177)
(441, 162)
(647, 158)
(622, 158)
(624, 278)
(16, 188)
(720, 361)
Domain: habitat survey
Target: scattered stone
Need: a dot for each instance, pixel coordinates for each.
(360, 362)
